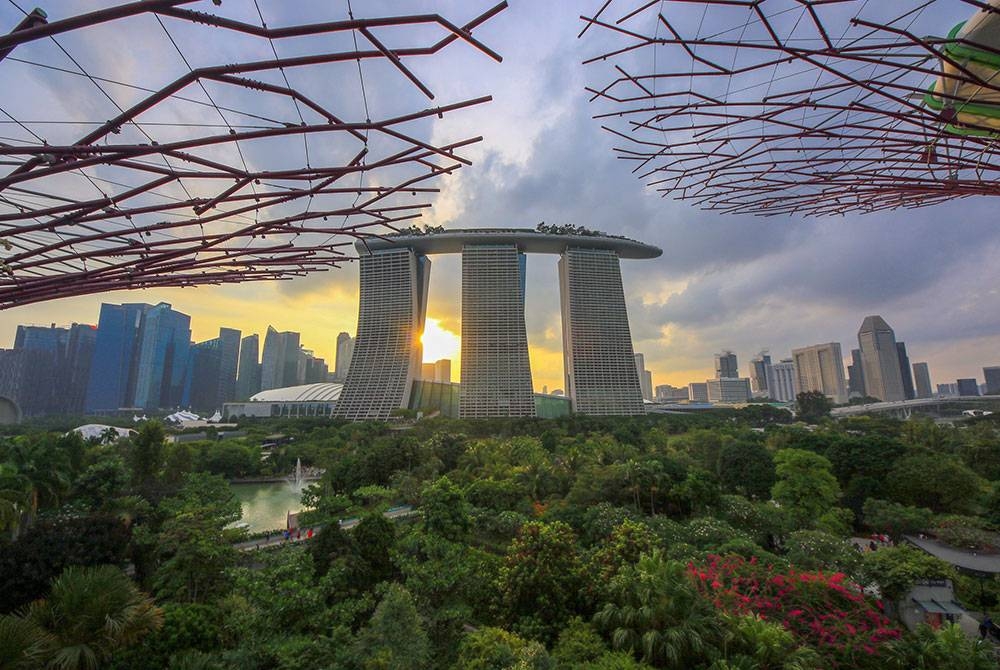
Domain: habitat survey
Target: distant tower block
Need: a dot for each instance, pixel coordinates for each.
(496, 373)
(387, 351)
(601, 376)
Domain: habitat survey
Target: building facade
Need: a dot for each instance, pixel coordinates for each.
(698, 392)
(112, 381)
(992, 376)
(904, 368)
(248, 376)
(162, 360)
(387, 352)
(725, 366)
(597, 345)
(880, 360)
(496, 372)
(279, 366)
(758, 372)
(967, 387)
(668, 393)
(645, 377)
(728, 391)
(922, 377)
(345, 351)
(439, 371)
(821, 368)
(781, 383)
(600, 368)
(855, 375)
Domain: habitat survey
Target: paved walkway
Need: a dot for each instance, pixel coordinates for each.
(302, 534)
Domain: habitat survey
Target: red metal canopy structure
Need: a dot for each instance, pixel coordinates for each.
(815, 107)
(165, 143)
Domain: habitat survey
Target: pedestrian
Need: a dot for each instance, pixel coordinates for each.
(309, 534)
(985, 627)
(298, 536)
(872, 546)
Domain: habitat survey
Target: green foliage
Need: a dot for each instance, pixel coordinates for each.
(578, 644)
(953, 488)
(541, 577)
(836, 521)
(526, 528)
(89, 613)
(816, 550)
(445, 511)
(812, 406)
(145, 453)
(659, 616)
(28, 565)
(373, 541)
(394, 639)
(192, 543)
(498, 649)
(895, 569)
(895, 520)
(964, 532)
(764, 645)
(805, 485)
(948, 648)
(981, 450)
(747, 468)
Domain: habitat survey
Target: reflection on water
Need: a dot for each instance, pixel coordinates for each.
(265, 506)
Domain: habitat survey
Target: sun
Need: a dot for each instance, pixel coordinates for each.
(439, 342)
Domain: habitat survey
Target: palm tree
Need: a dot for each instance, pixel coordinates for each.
(948, 648)
(15, 498)
(764, 645)
(17, 638)
(43, 467)
(661, 617)
(89, 613)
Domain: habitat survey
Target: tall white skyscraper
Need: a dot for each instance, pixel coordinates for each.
(880, 360)
(781, 385)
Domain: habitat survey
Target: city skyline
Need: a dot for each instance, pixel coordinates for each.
(446, 344)
(724, 282)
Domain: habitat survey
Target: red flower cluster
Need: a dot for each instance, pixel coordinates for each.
(822, 610)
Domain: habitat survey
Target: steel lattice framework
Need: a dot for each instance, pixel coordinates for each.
(223, 171)
(816, 107)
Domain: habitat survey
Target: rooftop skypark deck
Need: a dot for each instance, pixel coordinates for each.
(527, 240)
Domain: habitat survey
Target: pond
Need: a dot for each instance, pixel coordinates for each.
(265, 506)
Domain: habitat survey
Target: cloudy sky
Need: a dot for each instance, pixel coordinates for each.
(723, 282)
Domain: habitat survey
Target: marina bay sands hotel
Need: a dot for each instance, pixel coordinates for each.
(600, 370)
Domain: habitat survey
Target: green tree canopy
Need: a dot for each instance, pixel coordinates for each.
(445, 511)
(805, 485)
(812, 406)
(394, 638)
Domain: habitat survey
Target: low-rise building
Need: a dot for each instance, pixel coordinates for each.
(698, 392)
(728, 390)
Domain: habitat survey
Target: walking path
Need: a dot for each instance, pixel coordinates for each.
(302, 534)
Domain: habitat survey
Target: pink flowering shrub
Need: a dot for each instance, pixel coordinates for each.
(825, 611)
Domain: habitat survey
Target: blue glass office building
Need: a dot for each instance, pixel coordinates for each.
(163, 351)
(112, 370)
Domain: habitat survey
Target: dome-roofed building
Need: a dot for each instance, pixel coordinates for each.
(305, 400)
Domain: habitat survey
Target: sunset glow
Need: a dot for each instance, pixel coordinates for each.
(440, 343)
